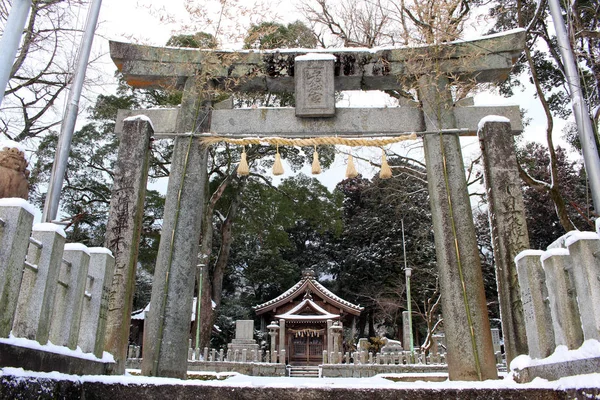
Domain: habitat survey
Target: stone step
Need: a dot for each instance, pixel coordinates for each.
(304, 372)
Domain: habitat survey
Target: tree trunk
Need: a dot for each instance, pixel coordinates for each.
(226, 241)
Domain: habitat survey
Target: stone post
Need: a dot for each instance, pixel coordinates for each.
(584, 248)
(470, 351)
(34, 310)
(68, 301)
(168, 321)
(273, 328)
(506, 212)
(93, 317)
(15, 229)
(534, 295)
(405, 331)
(329, 339)
(281, 335)
(563, 300)
(282, 356)
(123, 230)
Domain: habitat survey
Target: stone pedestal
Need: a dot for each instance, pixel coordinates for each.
(584, 248)
(15, 230)
(508, 227)
(93, 318)
(68, 301)
(38, 289)
(123, 231)
(563, 300)
(536, 310)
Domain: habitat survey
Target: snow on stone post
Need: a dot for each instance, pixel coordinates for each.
(566, 320)
(123, 230)
(68, 301)
(16, 217)
(584, 248)
(38, 288)
(93, 316)
(536, 310)
(508, 225)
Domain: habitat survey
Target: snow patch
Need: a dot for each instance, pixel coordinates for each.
(52, 348)
(77, 247)
(528, 253)
(577, 236)
(316, 57)
(100, 250)
(491, 118)
(520, 362)
(554, 252)
(18, 202)
(49, 227)
(139, 117)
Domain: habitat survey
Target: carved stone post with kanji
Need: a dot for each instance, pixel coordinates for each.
(123, 231)
(508, 226)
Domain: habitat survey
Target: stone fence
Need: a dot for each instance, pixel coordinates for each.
(560, 291)
(51, 292)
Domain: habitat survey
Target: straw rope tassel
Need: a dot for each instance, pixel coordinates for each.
(316, 167)
(277, 167)
(386, 171)
(351, 169)
(243, 169)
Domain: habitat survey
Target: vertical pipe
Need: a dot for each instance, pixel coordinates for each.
(68, 125)
(11, 39)
(408, 272)
(582, 118)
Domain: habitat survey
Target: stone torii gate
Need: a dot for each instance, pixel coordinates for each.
(433, 71)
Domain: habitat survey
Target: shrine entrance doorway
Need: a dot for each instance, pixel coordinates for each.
(306, 346)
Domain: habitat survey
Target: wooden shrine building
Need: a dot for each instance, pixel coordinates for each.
(306, 313)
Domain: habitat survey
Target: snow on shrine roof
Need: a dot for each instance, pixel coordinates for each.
(322, 313)
(308, 281)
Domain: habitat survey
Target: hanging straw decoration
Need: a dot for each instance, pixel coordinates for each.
(277, 167)
(351, 169)
(243, 169)
(386, 171)
(316, 167)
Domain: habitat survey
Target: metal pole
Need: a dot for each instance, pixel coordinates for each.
(11, 39)
(199, 305)
(580, 109)
(68, 125)
(408, 272)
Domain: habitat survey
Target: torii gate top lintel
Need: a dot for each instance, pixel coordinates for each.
(486, 59)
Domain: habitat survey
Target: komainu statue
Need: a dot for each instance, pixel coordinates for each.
(13, 173)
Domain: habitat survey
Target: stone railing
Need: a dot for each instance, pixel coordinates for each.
(560, 291)
(51, 292)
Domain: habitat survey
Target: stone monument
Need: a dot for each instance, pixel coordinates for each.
(244, 338)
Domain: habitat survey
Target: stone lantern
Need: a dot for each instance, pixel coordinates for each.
(273, 328)
(336, 332)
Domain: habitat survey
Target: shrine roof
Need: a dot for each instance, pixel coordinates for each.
(309, 284)
(320, 312)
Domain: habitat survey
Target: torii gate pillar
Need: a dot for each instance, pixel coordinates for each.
(467, 327)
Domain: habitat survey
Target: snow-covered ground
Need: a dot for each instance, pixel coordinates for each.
(589, 349)
(238, 380)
